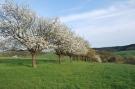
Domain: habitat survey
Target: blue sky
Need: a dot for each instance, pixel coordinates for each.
(101, 22)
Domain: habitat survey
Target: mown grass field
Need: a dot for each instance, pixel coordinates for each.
(17, 73)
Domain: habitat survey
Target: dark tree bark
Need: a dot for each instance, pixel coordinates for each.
(34, 64)
(85, 58)
(70, 57)
(33, 55)
(59, 58)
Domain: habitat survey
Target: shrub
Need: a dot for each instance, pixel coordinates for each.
(130, 60)
(105, 56)
(116, 59)
(110, 57)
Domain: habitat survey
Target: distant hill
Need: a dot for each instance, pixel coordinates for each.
(117, 48)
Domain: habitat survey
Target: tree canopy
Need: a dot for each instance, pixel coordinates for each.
(36, 33)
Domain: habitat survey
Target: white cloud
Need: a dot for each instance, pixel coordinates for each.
(110, 26)
(97, 14)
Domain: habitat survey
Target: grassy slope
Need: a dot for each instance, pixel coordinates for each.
(126, 53)
(17, 74)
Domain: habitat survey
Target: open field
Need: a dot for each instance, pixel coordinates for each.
(17, 73)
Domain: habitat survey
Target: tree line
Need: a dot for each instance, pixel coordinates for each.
(21, 24)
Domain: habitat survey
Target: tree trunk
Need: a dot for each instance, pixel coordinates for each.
(59, 59)
(85, 58)
(34, 65)
(77, 58)
(82, 58)
(70, 58)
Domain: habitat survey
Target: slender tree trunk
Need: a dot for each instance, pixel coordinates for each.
(85, 58)
(82, 58)
(70, 58)
(34, 65)
(77, 58)
(59, 59)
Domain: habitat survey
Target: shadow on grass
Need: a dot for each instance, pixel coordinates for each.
(24, 62)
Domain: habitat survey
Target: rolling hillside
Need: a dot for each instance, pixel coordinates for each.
(130, 53)
(117, 48)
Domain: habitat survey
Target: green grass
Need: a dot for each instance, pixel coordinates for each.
(126, 53)
(18, 74)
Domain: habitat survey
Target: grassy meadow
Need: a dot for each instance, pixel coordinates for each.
(17, 73)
